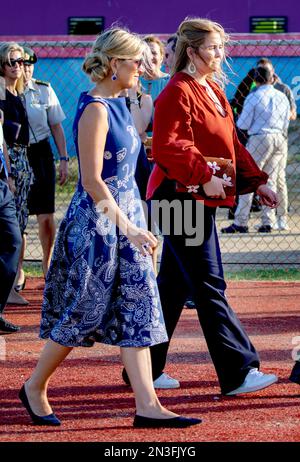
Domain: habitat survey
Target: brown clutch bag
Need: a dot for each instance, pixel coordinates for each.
(220, 167)
(148, 148)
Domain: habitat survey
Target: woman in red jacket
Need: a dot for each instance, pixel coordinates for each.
(193, 120)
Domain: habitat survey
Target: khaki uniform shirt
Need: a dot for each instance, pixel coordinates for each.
(43, 109)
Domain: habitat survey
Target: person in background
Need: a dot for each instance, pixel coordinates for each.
(281, 222)
(192, 120)
(169, 58)
(100, 286)
(45, 117)
(265, 116)
(141, 107)
(16, 135)
(10, 236)
(155, 80)
(279, 85)
(245, 87)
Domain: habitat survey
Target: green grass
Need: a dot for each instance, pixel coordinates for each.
(282, 274)
(34, 269)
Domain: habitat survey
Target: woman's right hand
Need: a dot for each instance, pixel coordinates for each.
(215, 187)
(144, 240)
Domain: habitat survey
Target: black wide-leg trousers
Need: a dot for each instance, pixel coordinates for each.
(198, 270)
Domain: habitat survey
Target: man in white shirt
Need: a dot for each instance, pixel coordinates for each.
(265, 116)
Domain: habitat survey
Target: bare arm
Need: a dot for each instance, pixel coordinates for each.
(92, 133)
(60, 141)
(142, 115)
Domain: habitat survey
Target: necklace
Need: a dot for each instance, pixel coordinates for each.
(215, 99)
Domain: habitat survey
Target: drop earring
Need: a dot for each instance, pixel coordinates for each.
(114, 77)
(192, 68)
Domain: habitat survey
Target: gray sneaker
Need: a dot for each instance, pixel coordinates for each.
(254, 381)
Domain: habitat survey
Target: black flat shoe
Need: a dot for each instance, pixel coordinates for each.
(7, 327)
(50, 419)
(295, 374)
(175, 422)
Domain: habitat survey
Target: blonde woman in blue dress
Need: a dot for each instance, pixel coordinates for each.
(101, 286)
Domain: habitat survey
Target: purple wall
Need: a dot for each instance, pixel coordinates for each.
(39, 17)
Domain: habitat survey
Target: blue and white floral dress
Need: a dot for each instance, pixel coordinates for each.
(99, 287)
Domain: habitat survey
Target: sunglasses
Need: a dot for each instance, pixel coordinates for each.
(138, 62)
(13, 62)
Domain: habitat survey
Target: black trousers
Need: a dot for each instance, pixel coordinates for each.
(198, 271)
(10, 242)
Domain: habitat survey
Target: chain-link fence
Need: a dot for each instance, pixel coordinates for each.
(60, 64)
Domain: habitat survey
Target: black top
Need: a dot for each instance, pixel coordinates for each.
(15, 127)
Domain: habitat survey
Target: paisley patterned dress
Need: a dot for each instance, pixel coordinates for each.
(99, 287)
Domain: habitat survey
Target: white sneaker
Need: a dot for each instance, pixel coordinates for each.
(281, 224)
(254, 381)
(165, 381)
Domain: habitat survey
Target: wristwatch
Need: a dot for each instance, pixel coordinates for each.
(64, 158)
(11, 175)
(134, 101)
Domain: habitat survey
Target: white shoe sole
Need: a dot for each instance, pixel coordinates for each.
(165, 386)
(242, 390)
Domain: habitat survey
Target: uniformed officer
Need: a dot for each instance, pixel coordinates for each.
(45, 116)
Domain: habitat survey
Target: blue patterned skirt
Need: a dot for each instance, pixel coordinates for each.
(23, 175)
(99, 287)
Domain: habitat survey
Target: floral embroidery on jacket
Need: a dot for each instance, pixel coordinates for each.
(214, 166)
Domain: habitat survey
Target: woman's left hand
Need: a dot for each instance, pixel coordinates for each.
(267, 196)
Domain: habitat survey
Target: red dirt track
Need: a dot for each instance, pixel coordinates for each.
(88, 395)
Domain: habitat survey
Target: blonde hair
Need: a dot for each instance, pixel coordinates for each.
(192, 32)
(6, 48)
(153, 39)
(112, 43)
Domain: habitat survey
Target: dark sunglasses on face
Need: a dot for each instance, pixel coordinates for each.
(138, 62)
(13, 62)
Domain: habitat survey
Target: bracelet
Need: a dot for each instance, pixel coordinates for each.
(64, 158)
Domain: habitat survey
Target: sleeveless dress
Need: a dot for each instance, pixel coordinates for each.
(99, 287)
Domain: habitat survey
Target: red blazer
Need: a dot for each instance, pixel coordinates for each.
(188, 126)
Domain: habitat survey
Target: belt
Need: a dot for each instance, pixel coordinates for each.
(45, 140)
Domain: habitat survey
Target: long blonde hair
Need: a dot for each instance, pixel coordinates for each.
(6, 48)
(192, 32)
(112, 43)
